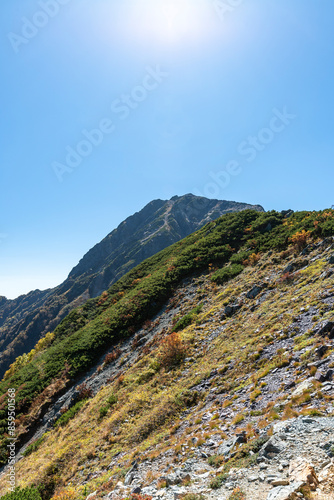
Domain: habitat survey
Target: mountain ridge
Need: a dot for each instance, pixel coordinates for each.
(26, 319)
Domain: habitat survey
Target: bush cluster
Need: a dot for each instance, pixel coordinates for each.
(30, 493)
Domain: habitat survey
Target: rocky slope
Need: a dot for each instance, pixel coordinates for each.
(25, 320)
(242, 410)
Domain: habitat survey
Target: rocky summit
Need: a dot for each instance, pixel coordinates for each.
(205, 372)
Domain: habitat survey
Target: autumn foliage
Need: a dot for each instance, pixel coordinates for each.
(112, 356)
(300, 239)
(172, 350)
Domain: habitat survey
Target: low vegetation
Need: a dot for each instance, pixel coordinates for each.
(30, 493)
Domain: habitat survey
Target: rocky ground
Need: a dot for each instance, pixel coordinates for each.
(296, 449)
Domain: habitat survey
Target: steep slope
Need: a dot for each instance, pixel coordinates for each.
(158, 225)
(250, 299)
(27, 319)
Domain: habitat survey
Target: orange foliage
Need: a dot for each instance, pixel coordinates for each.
(112, 356)
(300, 239)
(252, 259)
(172, 350)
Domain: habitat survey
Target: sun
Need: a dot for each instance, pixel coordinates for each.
(171, 21)
(172, 25)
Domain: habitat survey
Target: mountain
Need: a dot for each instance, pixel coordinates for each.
(28, 318)
(204, 372)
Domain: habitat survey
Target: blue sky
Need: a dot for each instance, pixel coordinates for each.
(108, 104)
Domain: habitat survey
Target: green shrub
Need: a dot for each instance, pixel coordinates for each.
(217, 481)
(33, 446)
(188, 318)
(30, 493)
(69, 414)
(112, 400)
(103, 411)
(216, 461)
(239, 258)
(227, 273)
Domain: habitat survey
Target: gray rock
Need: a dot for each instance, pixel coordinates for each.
(326, 329)
(241, 437)
(177, 492)
(254, 292)
(210, 443)
(321, 376)
(320, 351)
(227, 446)
(136, 490)
(176, 477)
(330, 259)
(295, 266)
(272, 447)
(231, 309)
(283, 492)
(130, 474)
(303, 386)
(128, 478)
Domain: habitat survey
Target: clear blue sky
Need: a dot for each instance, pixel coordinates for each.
(230, 99)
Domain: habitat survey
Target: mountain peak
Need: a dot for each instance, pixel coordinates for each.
(159, 224)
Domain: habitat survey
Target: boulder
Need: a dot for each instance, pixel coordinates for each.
(295, 266)
(323, 375)
(231, 309)
(128, 478)
(284, 492)
(136, 490)
(321, 350)
(326, 473)
(302, 471)
(130, 474)
(176, 477)
(241, 437)
(303, 386)
(330, 259)
(289, 385)
(272, 447)
(326, 329)
(227, 446)
(254, 292)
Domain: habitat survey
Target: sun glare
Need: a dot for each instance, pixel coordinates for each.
(171, 21)
(176, 20)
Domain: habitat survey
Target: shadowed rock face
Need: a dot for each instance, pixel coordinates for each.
(25, 320)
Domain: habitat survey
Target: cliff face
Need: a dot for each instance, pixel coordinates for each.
(158, 225)
(25, 320)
